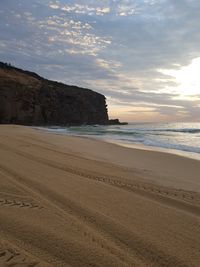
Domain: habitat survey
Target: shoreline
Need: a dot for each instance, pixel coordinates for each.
(169, 173)
(70, 201)
(181, 153)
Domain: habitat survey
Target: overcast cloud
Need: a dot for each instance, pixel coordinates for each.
(118, 48)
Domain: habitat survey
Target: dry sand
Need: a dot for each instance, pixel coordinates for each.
(68, 201)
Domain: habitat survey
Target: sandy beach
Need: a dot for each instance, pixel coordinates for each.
(69, 201)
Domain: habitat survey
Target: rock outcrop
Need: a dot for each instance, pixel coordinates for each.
(116, 122)
(28, 99)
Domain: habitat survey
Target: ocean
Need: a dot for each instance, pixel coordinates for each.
(180, 138)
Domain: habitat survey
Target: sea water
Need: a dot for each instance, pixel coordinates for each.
(178, 137)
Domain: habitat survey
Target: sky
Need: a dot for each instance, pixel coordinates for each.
(143, 55)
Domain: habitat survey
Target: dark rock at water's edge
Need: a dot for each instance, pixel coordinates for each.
(28, 99)
(116, 122)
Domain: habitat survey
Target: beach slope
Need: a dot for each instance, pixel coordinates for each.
(69, 201)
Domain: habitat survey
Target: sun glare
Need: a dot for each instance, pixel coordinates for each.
(187, 78)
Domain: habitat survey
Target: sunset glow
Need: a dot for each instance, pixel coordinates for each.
(142, 55)
(187, 78)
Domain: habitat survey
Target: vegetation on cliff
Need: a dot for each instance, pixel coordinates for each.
(28, 99)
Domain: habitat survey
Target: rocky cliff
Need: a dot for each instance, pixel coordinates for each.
(28, 99)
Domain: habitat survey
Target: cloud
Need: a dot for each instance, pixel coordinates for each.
(80, 8)
(115, 47)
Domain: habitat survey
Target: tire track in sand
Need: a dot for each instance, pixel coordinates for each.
(11, 257)
(182, 200)
(19, 203)
(143, 250)
(86, 233)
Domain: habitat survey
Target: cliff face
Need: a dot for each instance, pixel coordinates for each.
(28, 99)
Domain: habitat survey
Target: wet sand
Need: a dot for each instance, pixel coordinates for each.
(69, 201)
